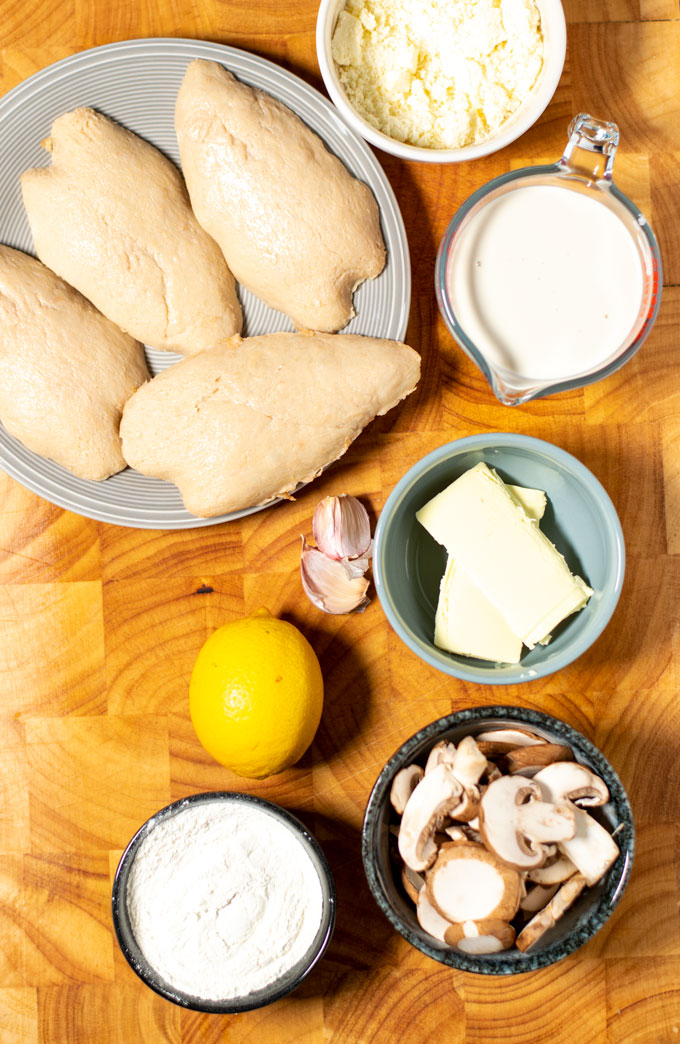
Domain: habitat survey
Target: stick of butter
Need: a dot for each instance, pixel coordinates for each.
(513, 563)
(466, 621)
(468, 624)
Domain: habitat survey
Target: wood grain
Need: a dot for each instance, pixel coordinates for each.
(99, 626)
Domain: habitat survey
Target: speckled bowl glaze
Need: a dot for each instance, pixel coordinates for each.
(577, 925)
(580, 520)
(259, 998)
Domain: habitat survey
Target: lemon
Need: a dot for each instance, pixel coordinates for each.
(256, 695)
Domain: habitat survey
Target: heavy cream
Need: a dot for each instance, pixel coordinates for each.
(546, 282)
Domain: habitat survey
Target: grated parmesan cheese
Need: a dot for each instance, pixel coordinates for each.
(438, 73)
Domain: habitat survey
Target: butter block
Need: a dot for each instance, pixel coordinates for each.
(532, 501)
(468, 624)
(466, 621)
(513, 563)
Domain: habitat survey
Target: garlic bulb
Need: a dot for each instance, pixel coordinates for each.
(341, 527)
(333, 585)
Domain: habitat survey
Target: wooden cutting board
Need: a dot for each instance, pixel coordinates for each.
(99, 626)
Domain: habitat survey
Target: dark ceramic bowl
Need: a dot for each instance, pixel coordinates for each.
(383, 865)
(580, 520)
(258, 998)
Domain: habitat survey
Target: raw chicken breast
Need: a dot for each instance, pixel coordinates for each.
(65, 370)
(295, 227)
(244, 423)
(111, 215)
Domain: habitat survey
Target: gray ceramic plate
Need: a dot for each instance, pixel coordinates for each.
(135, 82)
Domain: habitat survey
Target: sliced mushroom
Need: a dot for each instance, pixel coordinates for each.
(429, 918)
(532, 758)
(468, 807)
(469, 764)
(489, 936)
(403, 785)
(476, 832)
(574, 782)
(549, 916)
(517, 737)
(553, 871)
(455, 833)
(437, 793)
(495, 742)
(537, 897)
(442, 752)
(468, 883)
(412, 882)
(592, 849)
(464, 832)
(542, 821)
(497, 812)
(493, 772)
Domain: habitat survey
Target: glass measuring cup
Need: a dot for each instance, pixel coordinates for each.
(586, 170)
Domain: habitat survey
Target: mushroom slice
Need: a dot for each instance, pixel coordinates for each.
(592, 849)
(464, 832)
(429, 919)
(553, 871)
(537, 897)
(403, 785)
(493, 772)
(497, 812)
(412, 882)
(503, 740)
(468, 808)
(489, 936)
(442, 752)
(437, 793)
(468, 883)
(549, 916)
(469, 764)
(574, 782)
(532, 758)
(544, 822)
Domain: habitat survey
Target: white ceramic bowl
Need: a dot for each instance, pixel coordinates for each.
(555, 45)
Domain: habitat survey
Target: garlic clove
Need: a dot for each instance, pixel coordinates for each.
(355, 566)
(341, 527)
(329, 583)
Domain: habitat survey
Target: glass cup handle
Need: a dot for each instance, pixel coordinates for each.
(591, 148)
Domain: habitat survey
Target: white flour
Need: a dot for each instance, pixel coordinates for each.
(223, 899)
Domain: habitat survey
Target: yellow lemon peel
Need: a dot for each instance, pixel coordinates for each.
(256, 695)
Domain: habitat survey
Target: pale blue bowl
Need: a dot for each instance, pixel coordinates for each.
(580, 520)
